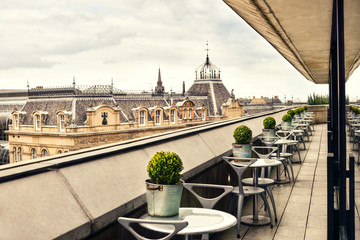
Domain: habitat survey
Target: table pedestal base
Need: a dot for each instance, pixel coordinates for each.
(261, 221)
(281, 181)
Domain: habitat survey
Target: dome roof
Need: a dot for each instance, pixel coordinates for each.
(207, 71)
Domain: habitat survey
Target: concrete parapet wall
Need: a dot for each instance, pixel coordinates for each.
(73, 195)
(320, 113)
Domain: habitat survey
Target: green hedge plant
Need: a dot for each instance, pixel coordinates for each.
(297, 111)
(291, 112)
(242, 135)
(165, 168)
(269, 123)
(286, 118)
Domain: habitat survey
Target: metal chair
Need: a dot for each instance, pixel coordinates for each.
(126, 222)
(208, 202)
(243, 192)
(263, 181)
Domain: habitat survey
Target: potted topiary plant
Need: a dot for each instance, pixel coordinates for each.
(269, 128)
(291, 112)
(164, 188)
(305, 108)
(286, 122)
(242, 146)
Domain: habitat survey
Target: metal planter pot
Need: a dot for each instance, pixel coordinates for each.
(163, 200)
(241, 150)
(269, 134)
(286, 126)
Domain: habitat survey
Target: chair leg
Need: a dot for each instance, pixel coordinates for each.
(272, 201)
(286, 169)
(298, 150)
(291, 168)
(267, 205)
(239, 212)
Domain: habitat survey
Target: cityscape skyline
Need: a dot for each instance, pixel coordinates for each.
(48, 43)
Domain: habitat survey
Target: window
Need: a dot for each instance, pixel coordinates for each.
(33, 153)
(157, 117)
(37, 124)
(59, 152)
(44, 153)
(189, 113)
(16, 119)
(15, 155)
(142, 118)
(184, 113)
(20, 154)
(203, 115)
(172, 115)
(62, 123)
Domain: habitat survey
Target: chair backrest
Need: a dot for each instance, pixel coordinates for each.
(239, 167)
(259, 151)
(208, 202)
(126, 222)
(268, 140)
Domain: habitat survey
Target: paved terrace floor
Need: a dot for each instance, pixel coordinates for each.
(301, 206)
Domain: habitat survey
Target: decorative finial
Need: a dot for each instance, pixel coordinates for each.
(207, 53)
(27, 84)
(112, 82)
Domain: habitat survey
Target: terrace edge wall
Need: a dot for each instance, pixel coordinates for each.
(74, 195)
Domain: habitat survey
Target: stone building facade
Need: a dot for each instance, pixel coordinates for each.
(56, 121)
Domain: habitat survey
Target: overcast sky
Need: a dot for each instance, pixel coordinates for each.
(47, 42)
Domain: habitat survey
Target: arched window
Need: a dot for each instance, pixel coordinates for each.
(20, 153)
(33, 153)
(157, 117)
(59, 152)
(142, 118)
(66, 151)
(15, 155)
(203, 115)
(172, 116)
(16, 119)
(44, 153)
(62, 123)
(189, 113)
(184, 113)
(37, 123)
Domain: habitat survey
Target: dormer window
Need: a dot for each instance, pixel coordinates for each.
(184, 113)
(16, 121)
(37, 122)
(172, 116)
(203, 115)
(62, 122)
(189, 113)
(142, 118)
(158, 117)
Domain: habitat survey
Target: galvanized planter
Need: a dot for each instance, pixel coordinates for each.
(268, 134)
(163, 200)
(241, 150)
(286, 126)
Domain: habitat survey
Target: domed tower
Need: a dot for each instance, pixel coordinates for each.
(208, 83)
(207, 71)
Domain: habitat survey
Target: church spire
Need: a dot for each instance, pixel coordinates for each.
(159, 89)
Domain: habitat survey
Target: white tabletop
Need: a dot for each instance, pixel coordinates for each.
(285, 142)
(260, 162)
(201, 220)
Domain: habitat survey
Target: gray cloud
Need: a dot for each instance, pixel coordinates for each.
(24, 62)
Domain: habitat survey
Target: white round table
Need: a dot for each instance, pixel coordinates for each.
(201, 220)
(255, 219)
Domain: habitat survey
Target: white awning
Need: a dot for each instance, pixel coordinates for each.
(301, 31)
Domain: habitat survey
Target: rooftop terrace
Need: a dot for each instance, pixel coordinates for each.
(301, 206)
